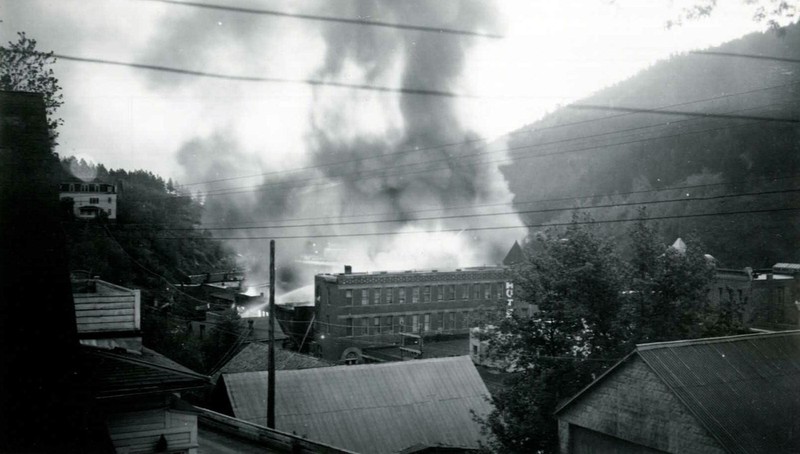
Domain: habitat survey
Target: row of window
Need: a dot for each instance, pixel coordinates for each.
(412, 323)
(424, 294)
(96, 200)
(86, 187)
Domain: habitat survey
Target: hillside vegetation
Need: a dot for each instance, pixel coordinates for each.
(622, 157)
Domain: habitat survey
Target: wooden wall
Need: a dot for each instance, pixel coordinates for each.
(110, 308)
(634, 406)
(138, 432)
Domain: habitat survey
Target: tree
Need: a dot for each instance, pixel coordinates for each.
(772, 12)
(575, 279)
(23, 68)
(593, 309)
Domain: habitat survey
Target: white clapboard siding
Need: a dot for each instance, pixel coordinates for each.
(109, 308)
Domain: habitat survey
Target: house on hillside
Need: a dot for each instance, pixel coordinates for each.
(375, 408)
(90, 199)
(736, 394)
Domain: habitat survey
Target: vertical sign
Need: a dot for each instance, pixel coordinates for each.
(509, 298)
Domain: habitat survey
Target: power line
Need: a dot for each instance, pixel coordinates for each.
(680, 112)
(514, 203)
(341, 20)
(506, 227)
(752, 56)
(381, 172)
(483, 139)
(278, 80)
(480, 215)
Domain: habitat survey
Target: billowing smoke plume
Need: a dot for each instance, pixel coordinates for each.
(376, 161)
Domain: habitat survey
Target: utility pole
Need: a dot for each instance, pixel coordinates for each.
(271, 359)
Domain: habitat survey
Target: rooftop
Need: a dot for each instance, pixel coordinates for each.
(377, 408)
(120, 373)
(742, 389)
(253, 358)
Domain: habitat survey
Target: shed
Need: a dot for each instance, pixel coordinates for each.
(375, 408)
(735, 394)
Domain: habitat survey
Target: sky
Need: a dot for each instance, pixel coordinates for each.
(195, 130)
(553, 52)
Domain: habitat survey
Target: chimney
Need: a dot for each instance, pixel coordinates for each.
(348, 269)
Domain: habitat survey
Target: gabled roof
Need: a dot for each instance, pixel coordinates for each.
(376, 408)
(253, 358)
(742, 389)
(120, 373)
(515, 255)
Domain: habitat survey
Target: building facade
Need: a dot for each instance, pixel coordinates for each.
(354, 311)
(90, 199)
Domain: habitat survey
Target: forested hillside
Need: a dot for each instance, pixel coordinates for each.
(716, 165)
(134, 250)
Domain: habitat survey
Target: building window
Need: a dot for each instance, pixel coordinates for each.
(387, 324)
(348, 297)
(349, 323)
(94, 200)
(376, 296)
(499, 289)
(401, 321)
(466, 322)
(427, 323)
(487, 291)
(451, 321)
(364, 325)
(365, 297)
(415, 323)
(440, 295)
(441, 321)
(426, 294)
(389, 295)
(465, 291)
(476, 291)
(401, 295)
(376, 325)
(109, 200)
(451, 292)
(415, 295)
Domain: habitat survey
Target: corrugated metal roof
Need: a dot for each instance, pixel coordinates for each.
(744, 389)
(375, 408)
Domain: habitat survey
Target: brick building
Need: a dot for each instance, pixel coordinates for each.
(721, 395)
(766, 297)
(354, 311)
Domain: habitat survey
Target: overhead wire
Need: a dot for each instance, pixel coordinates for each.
(483, 215)
(333, 19)
(475, 229)
(483, 139)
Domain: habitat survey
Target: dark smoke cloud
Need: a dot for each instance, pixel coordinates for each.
(425, 60)
(342, 133)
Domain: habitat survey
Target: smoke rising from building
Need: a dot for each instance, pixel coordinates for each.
(373, 153)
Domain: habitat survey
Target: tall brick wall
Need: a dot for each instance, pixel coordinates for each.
(634, 405)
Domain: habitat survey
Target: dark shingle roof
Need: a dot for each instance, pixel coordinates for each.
(742, 389)
(119, 373)
(376, 408)
(253, 358)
